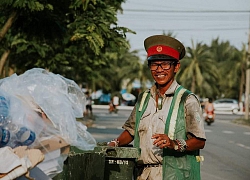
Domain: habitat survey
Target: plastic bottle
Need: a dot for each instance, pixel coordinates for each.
(26, 136)
(11, 134)
(4, 137)
(4, 110)
(20, 135)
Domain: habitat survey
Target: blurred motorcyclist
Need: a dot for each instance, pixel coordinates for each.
(113, 104)
(209, 110)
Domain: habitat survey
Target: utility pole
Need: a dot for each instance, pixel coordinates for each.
(247, 78)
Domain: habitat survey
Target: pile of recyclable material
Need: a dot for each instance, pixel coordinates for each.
(38, 110)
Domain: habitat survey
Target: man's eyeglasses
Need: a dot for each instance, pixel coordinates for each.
(164, 66)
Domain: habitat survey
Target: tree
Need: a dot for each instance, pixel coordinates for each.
(11, 13)
(123, 66)
(229, 61)
(242, 65)
(198, 71)
(66, 37)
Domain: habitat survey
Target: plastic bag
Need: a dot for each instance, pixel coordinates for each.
(59, 98)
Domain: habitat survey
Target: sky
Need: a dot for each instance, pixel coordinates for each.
(199, 21)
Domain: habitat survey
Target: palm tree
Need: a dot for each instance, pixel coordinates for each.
(234, 73)
(198, 71)
(122, 66)
(242, 65)
(231, 65)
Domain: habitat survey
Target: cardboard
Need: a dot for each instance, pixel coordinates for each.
(54, 143)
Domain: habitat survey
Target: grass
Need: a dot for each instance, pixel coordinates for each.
(242, 121)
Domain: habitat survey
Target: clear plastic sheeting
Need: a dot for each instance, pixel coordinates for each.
(20, 125)
(53, 101)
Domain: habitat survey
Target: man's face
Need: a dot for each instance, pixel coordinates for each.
(163, 71)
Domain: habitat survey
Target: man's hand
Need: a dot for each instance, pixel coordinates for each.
(162, 141)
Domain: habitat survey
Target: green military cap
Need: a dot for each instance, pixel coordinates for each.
(161, 47)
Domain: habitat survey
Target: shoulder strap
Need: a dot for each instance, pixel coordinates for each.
(173, 111)
(176, 109)
(140, 109)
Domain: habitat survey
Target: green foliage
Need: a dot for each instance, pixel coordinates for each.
(67, 37)
(229, 63)
(198, 71)
(82, 40)
(30, 5)
(214, 71)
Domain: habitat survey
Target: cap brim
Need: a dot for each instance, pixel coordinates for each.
(161, 57)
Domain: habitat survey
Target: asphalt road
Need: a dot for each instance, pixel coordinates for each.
(227, 150)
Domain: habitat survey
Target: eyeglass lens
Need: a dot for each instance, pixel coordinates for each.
(165, 66)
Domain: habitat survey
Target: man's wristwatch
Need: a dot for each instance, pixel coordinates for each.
(180, 145)
(115, 141)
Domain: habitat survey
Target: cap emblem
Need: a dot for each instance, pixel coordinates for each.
(158, 48)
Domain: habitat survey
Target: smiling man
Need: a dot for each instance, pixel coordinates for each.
(166, 122)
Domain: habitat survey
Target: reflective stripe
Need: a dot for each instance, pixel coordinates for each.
(174, 114)
(143, 100)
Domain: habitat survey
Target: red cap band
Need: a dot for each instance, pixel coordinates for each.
(161, 49)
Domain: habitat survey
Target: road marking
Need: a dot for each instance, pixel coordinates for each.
(240, 145)
(228, 132)
(208, 130)
(247, 133)
(100, 127)
(105, 127)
